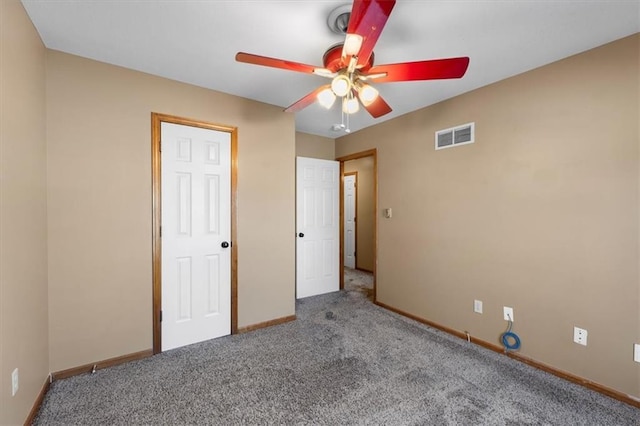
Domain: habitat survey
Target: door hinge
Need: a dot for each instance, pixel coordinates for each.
(160, 146)
(160, 316)
(161, 232)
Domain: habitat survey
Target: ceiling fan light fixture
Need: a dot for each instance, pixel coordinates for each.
(350, 65)
(341, 85)
(350, 105)
(326, 98)
(352, 45)
(368, 94)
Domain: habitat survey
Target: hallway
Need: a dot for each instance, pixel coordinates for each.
(360, 281)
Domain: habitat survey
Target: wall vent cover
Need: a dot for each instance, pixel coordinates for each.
(459, 135)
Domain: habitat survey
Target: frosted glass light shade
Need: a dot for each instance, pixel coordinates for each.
(352, 45)
(326, 98)
(341, 85)
(368, 94)
(350, 105)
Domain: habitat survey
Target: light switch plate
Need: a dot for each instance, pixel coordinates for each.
(636, 352)
(477, 306)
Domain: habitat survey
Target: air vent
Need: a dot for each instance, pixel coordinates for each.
(460, 135)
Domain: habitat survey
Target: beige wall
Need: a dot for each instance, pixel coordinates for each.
(313, 146)
(365, 244)
(23, 210)
(540, 213)
(99, 147)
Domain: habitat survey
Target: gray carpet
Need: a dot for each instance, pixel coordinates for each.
(360, 281)
(344, 361)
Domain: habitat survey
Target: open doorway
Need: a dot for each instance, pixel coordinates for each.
(358, 222)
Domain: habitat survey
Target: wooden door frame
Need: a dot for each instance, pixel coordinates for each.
(369, 153)
(156, 219)
(355, 214)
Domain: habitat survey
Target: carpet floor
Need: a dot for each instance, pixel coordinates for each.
(343, 361)
(360, 281)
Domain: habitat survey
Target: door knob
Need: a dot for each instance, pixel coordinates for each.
(224, 244)
(301, 235)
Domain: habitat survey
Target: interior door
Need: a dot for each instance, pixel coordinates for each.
(318, 227)
(349, 183)
(196, 229)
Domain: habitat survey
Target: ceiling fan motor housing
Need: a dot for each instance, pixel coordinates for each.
(332, 59)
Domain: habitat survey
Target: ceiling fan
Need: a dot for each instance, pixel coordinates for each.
(350, 65)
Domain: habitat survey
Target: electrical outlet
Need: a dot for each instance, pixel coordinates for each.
(636, 352)
(580, 336)
(477, 306)
(15, 384)
(508, 313)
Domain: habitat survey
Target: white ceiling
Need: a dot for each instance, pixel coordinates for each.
(196, 42)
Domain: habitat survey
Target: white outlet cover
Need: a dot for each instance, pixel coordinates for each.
(636, 352)
(580, 336)
(477, 306)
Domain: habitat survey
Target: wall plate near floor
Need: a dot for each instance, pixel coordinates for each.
(477, 306)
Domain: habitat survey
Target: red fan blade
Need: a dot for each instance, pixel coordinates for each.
(377, 108)
(306, 101)
(367, 19)
(422, 70)
(274, 63)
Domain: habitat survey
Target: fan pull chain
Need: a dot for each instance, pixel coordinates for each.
(347, 129)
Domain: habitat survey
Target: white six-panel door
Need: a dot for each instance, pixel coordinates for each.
(318, 228)
(349, 183)
(196, 221)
